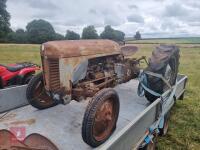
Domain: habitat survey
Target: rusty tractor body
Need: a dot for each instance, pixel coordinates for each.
(79, 69)
(76, 70)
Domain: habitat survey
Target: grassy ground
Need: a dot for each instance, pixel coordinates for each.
(12, 53)
(184, 130)
(192, 40)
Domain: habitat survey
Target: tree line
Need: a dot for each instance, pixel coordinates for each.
(40, 31)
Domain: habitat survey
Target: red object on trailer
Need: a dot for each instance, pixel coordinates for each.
(17, 74)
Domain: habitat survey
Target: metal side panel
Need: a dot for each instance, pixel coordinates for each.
(129, 136)
(11, 98)
(181, 83)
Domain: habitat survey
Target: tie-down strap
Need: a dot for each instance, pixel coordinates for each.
(143, 82)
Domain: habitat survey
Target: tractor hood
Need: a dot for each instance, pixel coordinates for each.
(77, 48)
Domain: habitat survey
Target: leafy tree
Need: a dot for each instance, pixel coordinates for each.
(4, 20)
(10, 38)
(71, 35)
(138, 36)
(89, 32)
(20, 36)
(59, 37)
(119, 35)
(40, 31)
(110, 33)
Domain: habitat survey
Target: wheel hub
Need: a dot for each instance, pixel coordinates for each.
(103, 122)
(41, 95)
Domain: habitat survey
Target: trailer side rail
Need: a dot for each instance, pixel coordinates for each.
(12, 98)
(134, 133)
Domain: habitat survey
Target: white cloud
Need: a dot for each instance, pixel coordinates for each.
(152, 17)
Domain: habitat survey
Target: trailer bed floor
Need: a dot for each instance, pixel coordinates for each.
(62, 123)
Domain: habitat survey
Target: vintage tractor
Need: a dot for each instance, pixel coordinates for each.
(77, 70)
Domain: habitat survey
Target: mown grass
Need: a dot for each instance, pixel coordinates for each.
(12, 53)
(184, 130)
(191, 40)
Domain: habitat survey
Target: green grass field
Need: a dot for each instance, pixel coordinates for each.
(191, 40)
(184, 130)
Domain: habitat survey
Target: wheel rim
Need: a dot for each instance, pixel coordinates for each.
(41, 96)
(104, 120)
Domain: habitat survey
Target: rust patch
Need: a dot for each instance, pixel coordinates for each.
(37, 141)
(77, 48)
(104, 120)
(8, 141)
(7, 117)
(28, 122)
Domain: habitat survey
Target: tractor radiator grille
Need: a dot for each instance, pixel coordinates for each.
(54, 76)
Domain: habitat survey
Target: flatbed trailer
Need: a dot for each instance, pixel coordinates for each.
(62, 123)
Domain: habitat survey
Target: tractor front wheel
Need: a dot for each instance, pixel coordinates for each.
(100, 117)
(37, 95)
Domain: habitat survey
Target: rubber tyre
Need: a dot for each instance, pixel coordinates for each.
(164, 130)
(150, 146)
(89, 116)
(157, 84)
(31, 97)
(27, 78)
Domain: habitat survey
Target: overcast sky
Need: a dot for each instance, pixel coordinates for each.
(153, 18)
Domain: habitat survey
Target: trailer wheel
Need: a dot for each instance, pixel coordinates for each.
(36, 93)
(150, 146)
(164, 130)
(169, 70)
(100, 117)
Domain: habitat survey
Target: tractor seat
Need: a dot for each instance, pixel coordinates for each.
(14, 68)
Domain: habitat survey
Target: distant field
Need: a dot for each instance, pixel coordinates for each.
(195, 40)
(12, 53)
(184, 130)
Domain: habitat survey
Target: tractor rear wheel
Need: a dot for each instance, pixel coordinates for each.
(169, 70)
